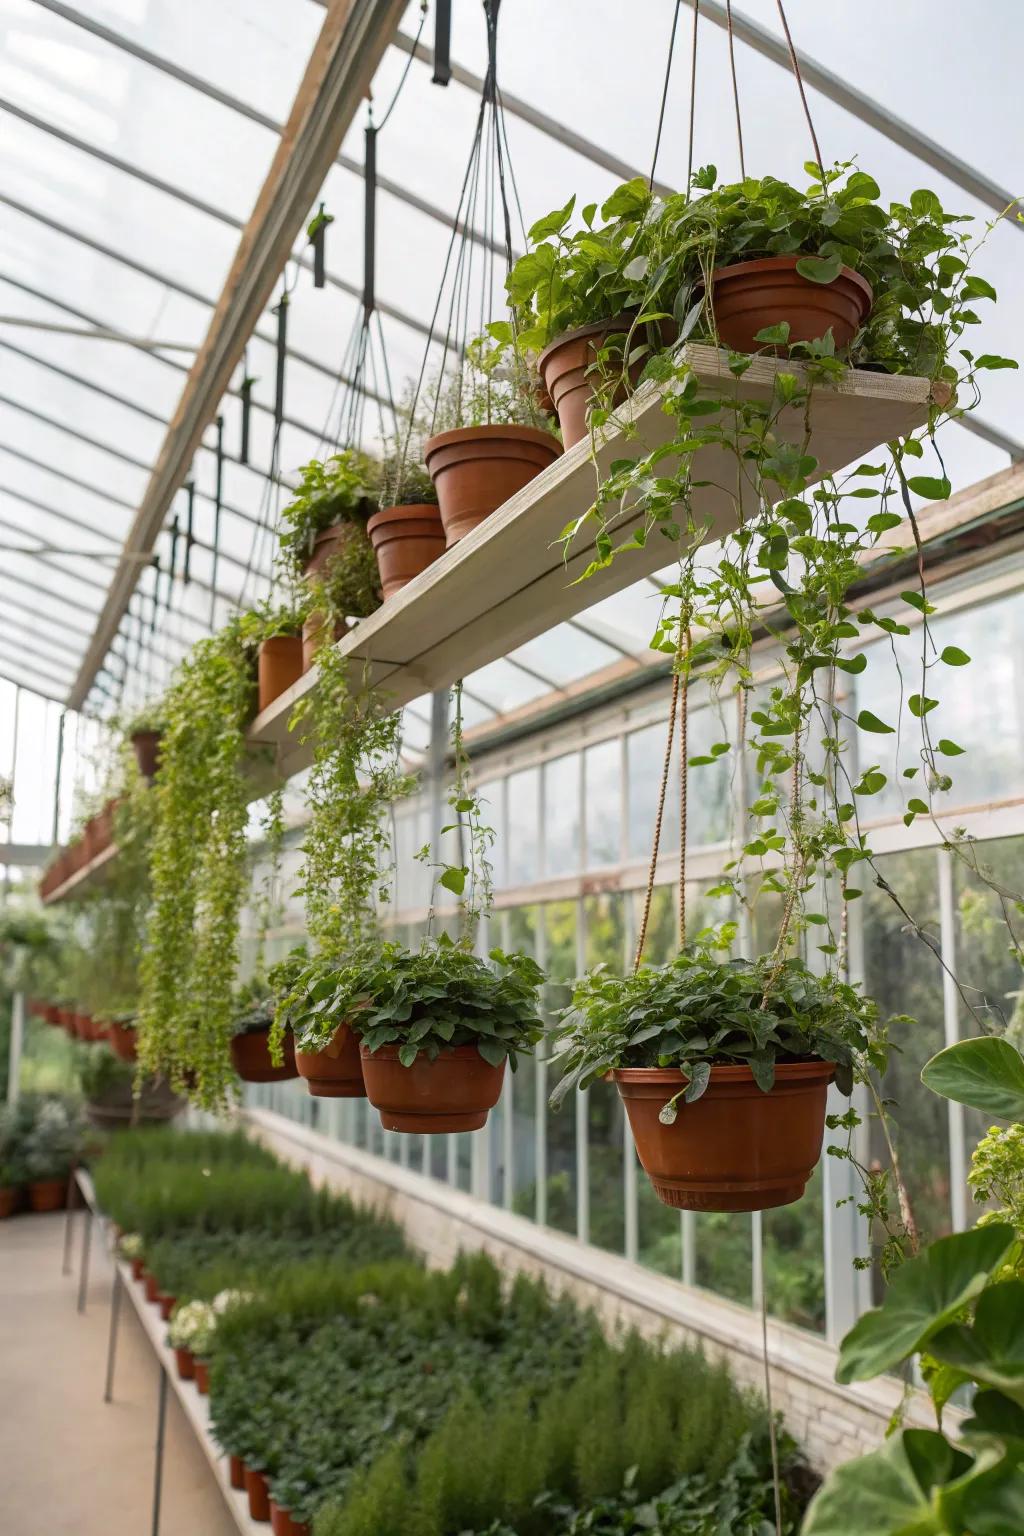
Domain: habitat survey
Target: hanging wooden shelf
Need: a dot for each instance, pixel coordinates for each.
(507, 582)
(85, 875)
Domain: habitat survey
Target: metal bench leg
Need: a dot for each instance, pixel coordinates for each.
(83, 1277)
(158, 1472)
(115, 1311)
(69, 1203)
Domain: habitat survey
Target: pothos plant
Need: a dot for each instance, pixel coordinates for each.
(801, 540)
(199, 867)
(330, 491)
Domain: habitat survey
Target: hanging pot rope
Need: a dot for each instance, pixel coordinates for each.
(693, 95)
(735, 87)
(664, 94)
(800, 87)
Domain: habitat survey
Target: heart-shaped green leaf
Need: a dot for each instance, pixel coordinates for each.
(986, 1073)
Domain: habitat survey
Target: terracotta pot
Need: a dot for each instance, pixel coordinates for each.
(236, 1472)
(137, 1266)
(405, 540)
(328, 543)
(453, 1093)
(166, 1305)
(122, 1040)
(147, 752)
(737, 1148)
(259, 1495)
(251, 1056)
(565, 369)
(336, 1072)
(67, 1019)
(51, 1013)
(8, 1200)
(151, 1285)
(748, 297)
(282, 1523)
(476, 469)
(103, 825)
(48, 1194)
(278, 666)
(201, 1376)
(186, 1364)
(315, 635)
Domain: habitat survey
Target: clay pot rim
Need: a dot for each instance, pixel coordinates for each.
(788, 264)
(620, 322)
(390, 1053)
(406, 512)
(504, 433)
(785, 1071)
(285, 635)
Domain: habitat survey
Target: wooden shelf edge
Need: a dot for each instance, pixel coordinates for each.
(82, 876)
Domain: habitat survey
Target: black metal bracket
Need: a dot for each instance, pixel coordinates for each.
(370, 222)
(442, 42)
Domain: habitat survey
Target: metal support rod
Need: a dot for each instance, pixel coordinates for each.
(190, 491)
(115, 1313)
(158, 1470)
(69, 1223)
(17, 1037)
(370, 222)
(58, 767)
(442, 42)
(246, 393)
(218, 490)
(83, 1273)
(282, 348)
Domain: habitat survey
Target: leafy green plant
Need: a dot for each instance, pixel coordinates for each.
(438, 997)
(50, 1140)
(489, 386)
(193, 1326)
(698, 1012)
(330, 491)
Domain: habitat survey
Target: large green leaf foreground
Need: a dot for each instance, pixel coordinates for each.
(986, 1074)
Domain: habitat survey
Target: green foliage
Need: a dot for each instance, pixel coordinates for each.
(987, 1073)
(340, 487)
(698, 1012)
(441, 996)
(199, 870)
(491, 385)
(41, 1137)
(997, 1174)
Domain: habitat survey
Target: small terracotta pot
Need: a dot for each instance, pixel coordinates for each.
(66, 1020)
(278, 666)
(8, 1200)
(201, 1376)
(735, 1149)
(166, 1305)
(748, 297)
(122, 1041)
(151, 1285)
(315, 635)
(336, 1072)
(236, 1472)
(137, 1266)
(186, 1364)
(565, 368)
(282, 1523)
(405, 540)
(328, 543)
(453, 1093)
(476, 469)
(147, 752)
(48, 1194)
(259, 1495)
(51, 1013)
(250, 1054)
(83, 1026)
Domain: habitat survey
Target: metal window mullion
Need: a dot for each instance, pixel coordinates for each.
(508, 1145)
(951, 1030)
(582, 1100)
(630, 1178)
(540, 1093)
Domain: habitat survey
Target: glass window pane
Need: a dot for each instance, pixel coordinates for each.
(603, 803)
(562, 815)
(523, 853)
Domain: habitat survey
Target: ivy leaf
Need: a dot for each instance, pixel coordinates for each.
(949, 748)
(773, 335)
(820, 269)
(869, 722)
(992, 360)
(700, 1076)
(931, 487)
(454, 879)
(920, 705)
(552, 223)
(953, 656)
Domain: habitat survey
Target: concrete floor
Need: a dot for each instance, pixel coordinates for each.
(70, 1464)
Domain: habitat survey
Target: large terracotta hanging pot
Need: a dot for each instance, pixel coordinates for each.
(752, 295)
(147, 753)
(122, 1040)
(278, 666)
(250, 1054)
(405, 540)
(736, 1148)
(455, 1092)
(567, 370)
(476, 469)
(336, 1072)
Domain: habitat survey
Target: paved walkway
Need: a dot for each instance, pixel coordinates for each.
(70, 1464)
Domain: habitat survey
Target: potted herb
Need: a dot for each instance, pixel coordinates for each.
(131, 1247)
(191, 1331)
(326, 1049)
(116, 1097)
(277, 630)
(121, 1036)
(723, 1067)
(489, 439)
(406, 530)
(436, 1027)
(50, 1149)
(12, 1166)
(144, 731)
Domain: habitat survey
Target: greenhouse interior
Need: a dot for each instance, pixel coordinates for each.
(511, 827)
